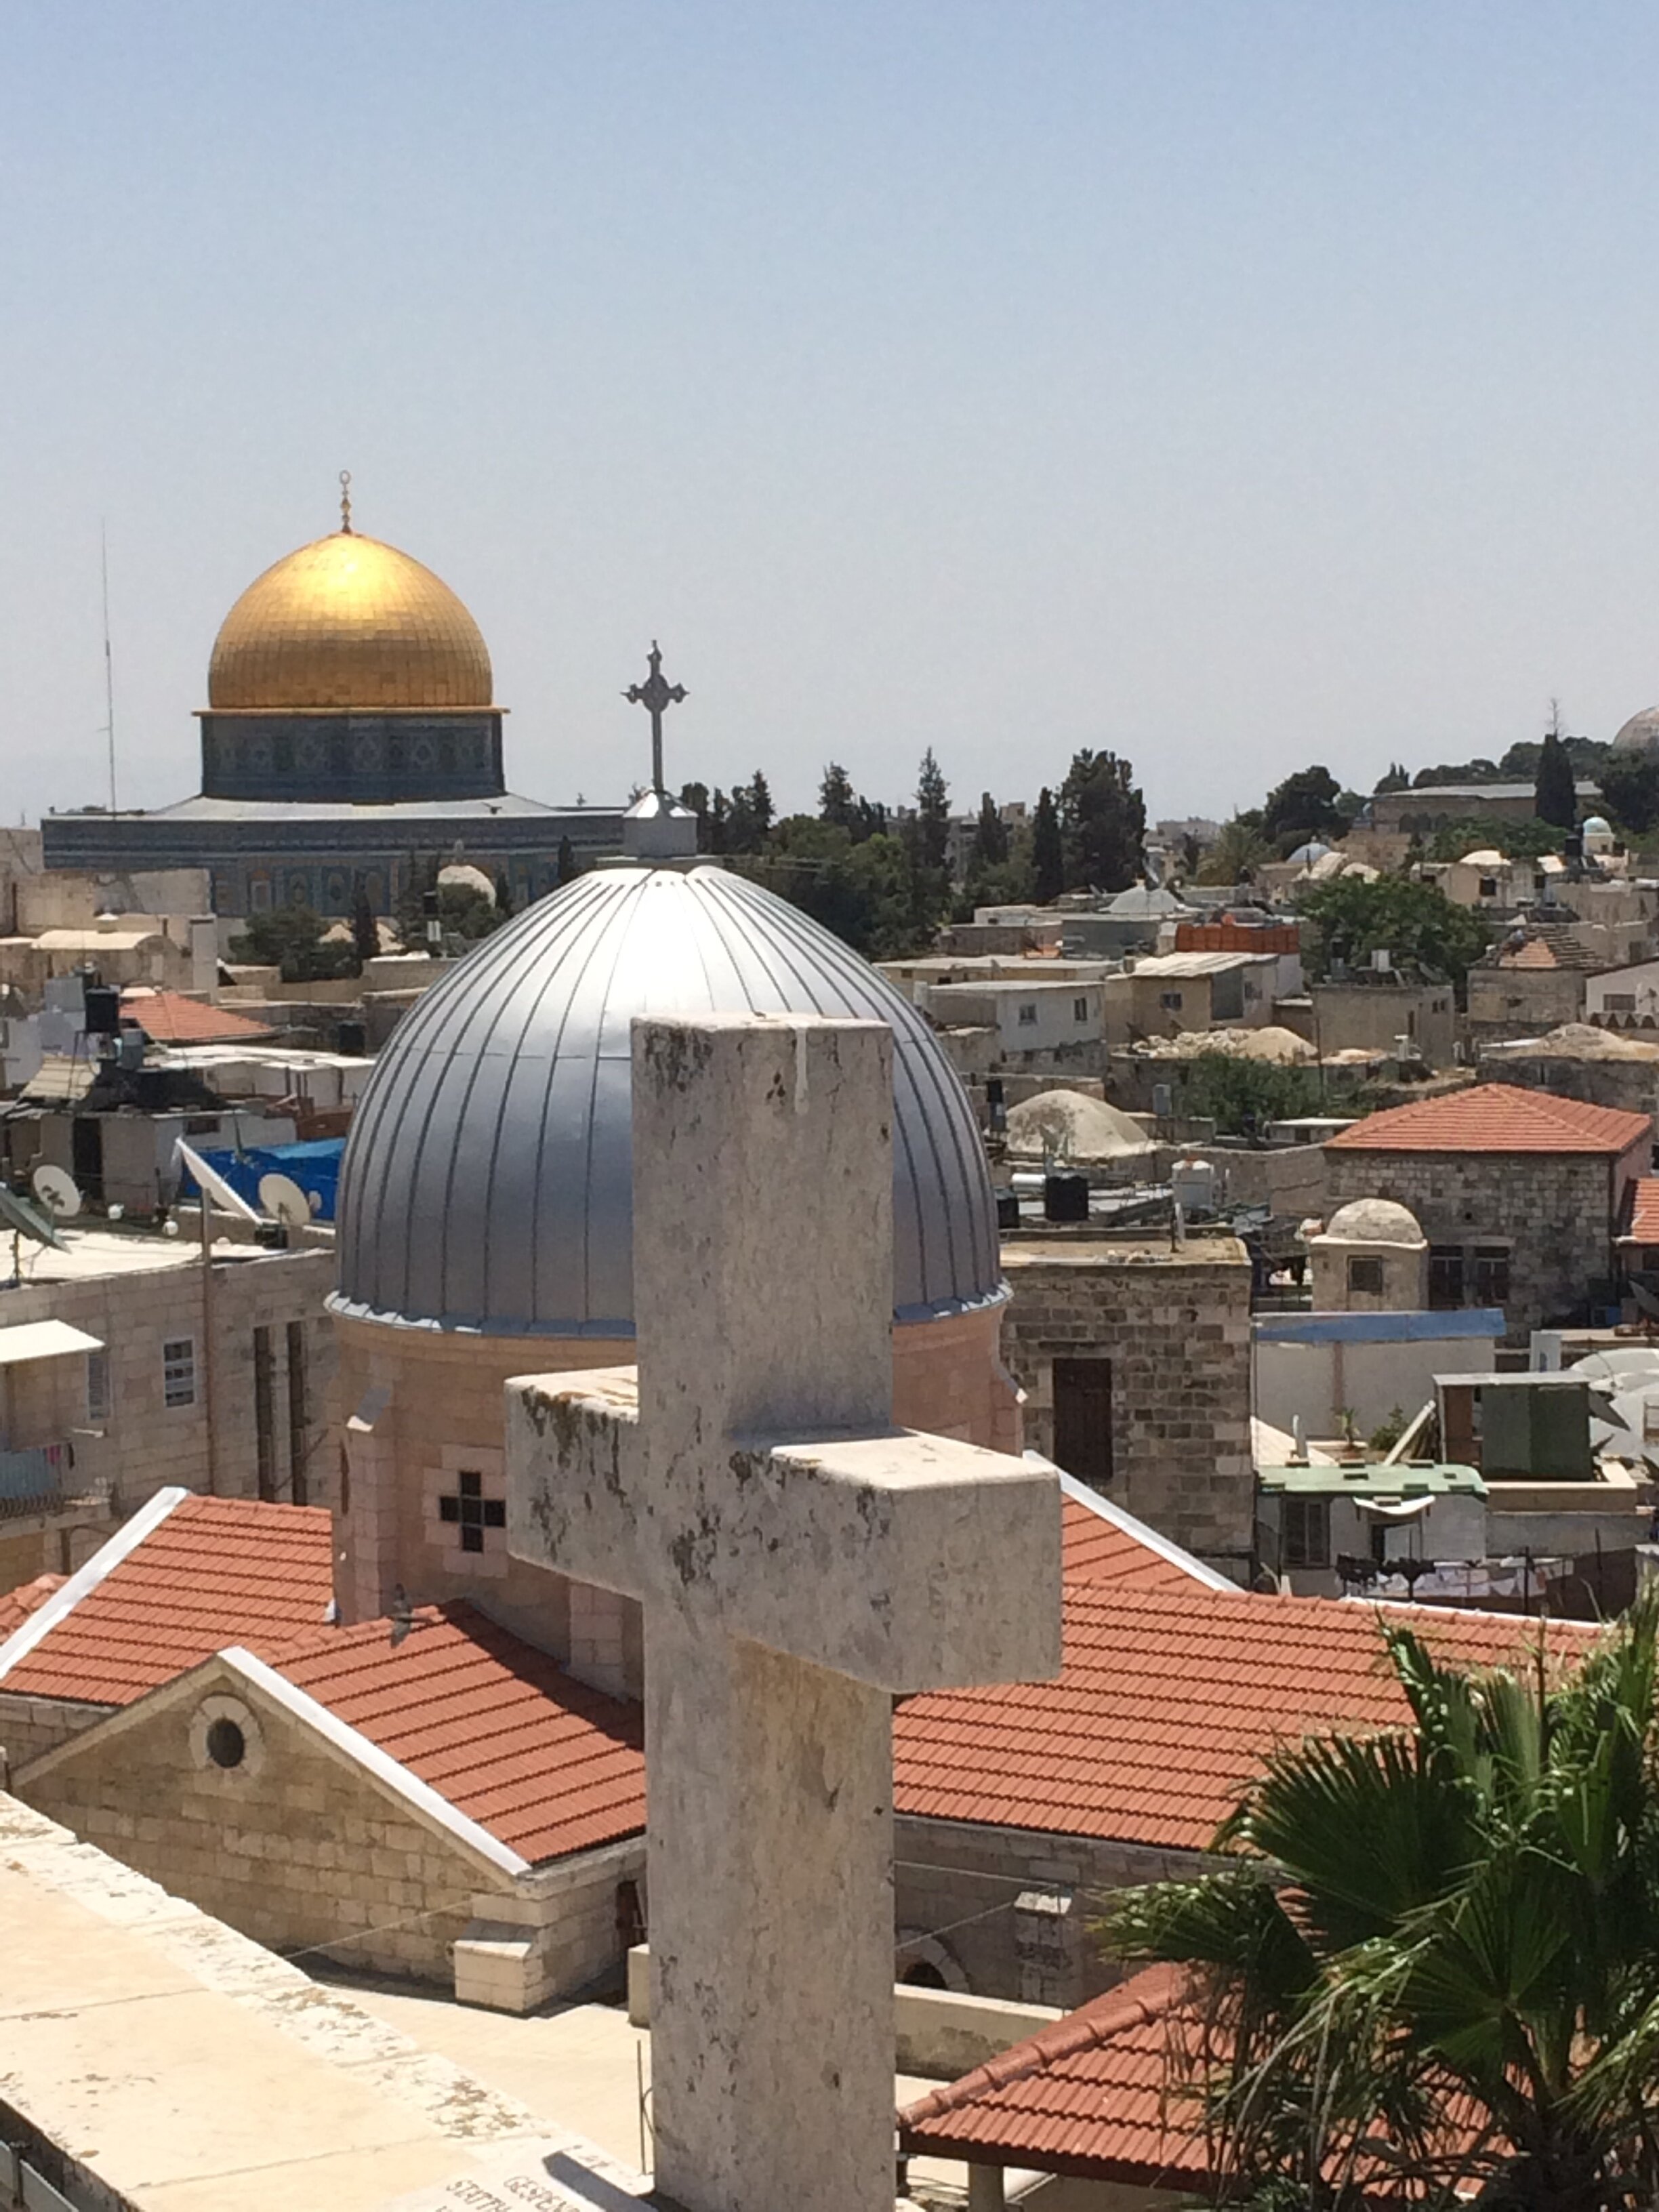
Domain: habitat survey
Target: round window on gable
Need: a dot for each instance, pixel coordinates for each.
(226, 1747)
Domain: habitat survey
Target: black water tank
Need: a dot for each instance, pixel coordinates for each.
(1065, 1198)
(352, 1039)
(103, 1010)
(1007, 1209)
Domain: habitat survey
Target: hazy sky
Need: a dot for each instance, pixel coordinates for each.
(1237, 386)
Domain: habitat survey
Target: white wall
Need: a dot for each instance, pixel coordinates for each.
(1315, 1381)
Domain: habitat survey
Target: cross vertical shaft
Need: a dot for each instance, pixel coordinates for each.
(656, 694)
(799, 1561)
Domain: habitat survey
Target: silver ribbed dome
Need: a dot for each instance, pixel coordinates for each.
(487, 1179)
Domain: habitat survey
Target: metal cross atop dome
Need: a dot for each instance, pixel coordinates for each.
(345, 502)
(656, 696)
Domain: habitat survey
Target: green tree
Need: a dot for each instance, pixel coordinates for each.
(566, 865)
(1554, 797)
(1104, 821)
(933, 813)
(1397, 779)
(751, 815)
(1414, 923)
(1238, 853)
(1630, 792)
(1302, 807)
(1430, 1964)
(1242, 1094)
(1518, 841)
(504, 894)
(990, 847)
(291, 938)
(838, 803)
(1048, 851)
(365, 931)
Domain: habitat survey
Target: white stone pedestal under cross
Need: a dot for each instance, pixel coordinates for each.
(799, 1562)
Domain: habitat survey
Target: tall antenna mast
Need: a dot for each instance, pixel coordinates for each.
(109, 662)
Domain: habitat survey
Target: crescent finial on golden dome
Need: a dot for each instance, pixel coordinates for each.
(349, 624)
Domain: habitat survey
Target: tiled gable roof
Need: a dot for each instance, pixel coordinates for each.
(1087, 2096)
(1645, 1211)
(210, 1572)
(1097, 1546)
(1167, 1701)
(1495, 1117)
(495, 1726)
(16, 1605)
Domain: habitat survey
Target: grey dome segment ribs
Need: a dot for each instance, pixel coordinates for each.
(488, 1181)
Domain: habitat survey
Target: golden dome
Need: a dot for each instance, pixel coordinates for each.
(348, 622)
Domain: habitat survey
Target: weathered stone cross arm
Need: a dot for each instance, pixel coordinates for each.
(905, 1561)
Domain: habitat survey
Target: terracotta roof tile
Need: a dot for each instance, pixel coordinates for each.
(1496, 1117)
(1166, 1702)
(17, 1605)
(216, 1570)
(497, 1727)
(1095, 1549)
(169, 1017)
(1087, 2096)
(1645, 1211)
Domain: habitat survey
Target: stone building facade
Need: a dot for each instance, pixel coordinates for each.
(1134, 1358)
(218, 1380)
(1534, 1233)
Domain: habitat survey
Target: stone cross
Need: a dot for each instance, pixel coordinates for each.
(800, 1562)
(656, 694)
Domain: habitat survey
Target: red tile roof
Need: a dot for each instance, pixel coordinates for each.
(1645, 1211)
(215, 1571)
(1096, 1549)
(17, 1605)
(1167, 1701)
(169, 1017)
(1495, 1117)
(495, 1726)
(1085, 2096)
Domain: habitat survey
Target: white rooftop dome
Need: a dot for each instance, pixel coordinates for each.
(1375, 1221)
(1596, 825)
(1640, 734)
(487, 1183)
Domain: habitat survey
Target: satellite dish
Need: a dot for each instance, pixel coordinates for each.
(57, 1191)
(210, 1181)
(18, 1216)
(283, 1199)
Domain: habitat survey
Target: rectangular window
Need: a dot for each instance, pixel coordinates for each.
(1489, 887)
(1080, 1010)
(299, 1412)
(1619, 1002)
(1083, 1420)
(1365, 1276)
(1170, 1001)
(1491, 1275)
(264, 1435)
(1305, 1532)
(179, 1372)
(1027, 1016)
(97, 1388)
(1445, 1277)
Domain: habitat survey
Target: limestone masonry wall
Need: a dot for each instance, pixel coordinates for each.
(1175, 1327)
(292, 1848)
(1555, 1211)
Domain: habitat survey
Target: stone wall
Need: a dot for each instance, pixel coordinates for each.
(295, 1847)
(1174, 1327)
(31, 1727)
(1556, 1211)
(978, 1893)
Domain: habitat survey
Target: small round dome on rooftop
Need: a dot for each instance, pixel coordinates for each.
(1070, 1125)
(1484, 856)
(348, 622)
(1596, 825)
(1314, 849)
(487, 1183)
(1375, 1221)
(1640, 734)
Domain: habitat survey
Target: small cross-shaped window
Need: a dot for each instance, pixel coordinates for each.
(472, 1512)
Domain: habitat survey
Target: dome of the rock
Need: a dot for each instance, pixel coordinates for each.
(349, 624)
(487, 1181)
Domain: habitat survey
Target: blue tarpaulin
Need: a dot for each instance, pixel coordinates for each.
(315, 1167)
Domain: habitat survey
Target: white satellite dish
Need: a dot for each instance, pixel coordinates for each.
(210, 1181)
(57, 1190)
(283, 1199)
